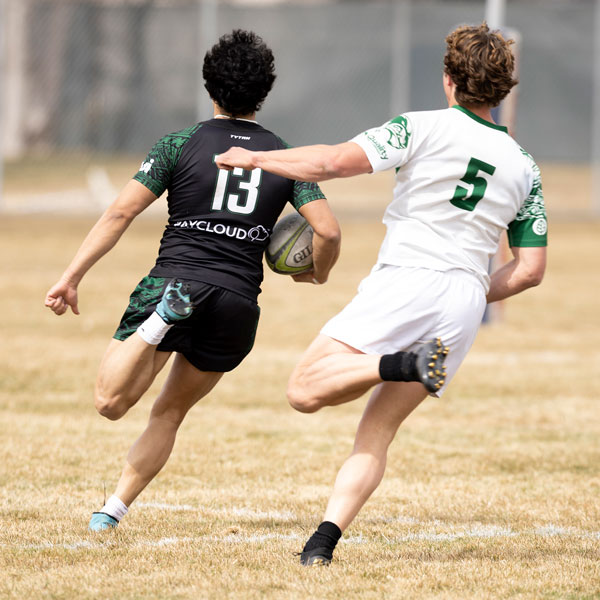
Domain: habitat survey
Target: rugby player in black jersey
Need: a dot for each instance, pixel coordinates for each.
(200, 298)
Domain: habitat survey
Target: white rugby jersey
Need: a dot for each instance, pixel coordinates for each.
(460, 182)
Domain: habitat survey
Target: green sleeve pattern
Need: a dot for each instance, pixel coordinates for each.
(285, 145)
(305, 192)
(530, 227)
(157, 168)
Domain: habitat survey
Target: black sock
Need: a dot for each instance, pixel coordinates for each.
(400, 366)
(326, 536)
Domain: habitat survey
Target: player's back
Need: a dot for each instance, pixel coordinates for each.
(219, 221)
(460, 182)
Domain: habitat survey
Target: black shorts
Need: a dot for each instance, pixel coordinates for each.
(216, 337)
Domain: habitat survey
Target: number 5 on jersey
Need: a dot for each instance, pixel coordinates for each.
(236, 203)
(462, 198)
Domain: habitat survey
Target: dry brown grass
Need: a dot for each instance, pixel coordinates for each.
(491, 492)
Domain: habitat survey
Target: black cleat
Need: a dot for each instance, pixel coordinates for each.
(316, 557)
(430, 364)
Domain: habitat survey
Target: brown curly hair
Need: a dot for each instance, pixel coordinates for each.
(480, 63)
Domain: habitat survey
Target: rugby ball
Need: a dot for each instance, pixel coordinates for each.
(290, 246)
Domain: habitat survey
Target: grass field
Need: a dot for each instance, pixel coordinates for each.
(491, 492)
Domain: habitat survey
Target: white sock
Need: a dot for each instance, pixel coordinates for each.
(115, 508)
(153, 329)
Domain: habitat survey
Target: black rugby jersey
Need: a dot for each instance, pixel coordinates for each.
(219, 221)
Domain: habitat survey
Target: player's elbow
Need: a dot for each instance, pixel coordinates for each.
(532, 271)
(120, 215)
(530, 276)
(530, 267)
(337, 166)
(335, 163)
(536, 277)
(330, 234)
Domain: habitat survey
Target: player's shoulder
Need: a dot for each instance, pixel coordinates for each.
(530, 166)
(273, 141)
(420, 121)
(526, 157)
(416, 126)
(180, 137)
(279, 141)
(417, 116)
(423, 116)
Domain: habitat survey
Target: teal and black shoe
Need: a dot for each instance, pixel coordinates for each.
(101, 521)
(175, 304)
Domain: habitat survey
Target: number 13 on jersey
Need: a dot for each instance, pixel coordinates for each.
(237, 203)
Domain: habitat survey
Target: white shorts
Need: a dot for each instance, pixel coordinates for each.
(399, 307)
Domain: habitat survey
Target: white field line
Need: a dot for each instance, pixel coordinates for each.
(163, 542)
(472, 532)
(233, 512)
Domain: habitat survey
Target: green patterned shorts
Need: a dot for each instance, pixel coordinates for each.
(216, 337)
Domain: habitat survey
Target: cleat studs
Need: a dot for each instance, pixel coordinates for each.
(430, 374)
(441, 382)
(434, 356)
(438, 372)
(431, 364)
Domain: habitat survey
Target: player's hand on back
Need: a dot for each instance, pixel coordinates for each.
(60, 296)
(235, 157)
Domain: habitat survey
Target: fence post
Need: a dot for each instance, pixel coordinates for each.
(400, 59)
(2, 92)
(595, 150)
(207, 31)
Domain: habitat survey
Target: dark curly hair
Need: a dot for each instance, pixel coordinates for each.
(481, 64)
(239, 72)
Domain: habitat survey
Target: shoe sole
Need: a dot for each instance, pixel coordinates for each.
(430, 365)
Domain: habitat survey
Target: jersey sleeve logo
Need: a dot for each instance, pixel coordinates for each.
(146, 166)
(540, 226)
(371, 136)
(398, 132)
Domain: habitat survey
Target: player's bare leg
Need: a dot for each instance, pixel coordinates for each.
(129, 367)
(127, 370)
(185, 385)
(363, 470)
(331, 372)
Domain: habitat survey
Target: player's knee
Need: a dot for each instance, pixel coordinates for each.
(302, 401)
(112, 408)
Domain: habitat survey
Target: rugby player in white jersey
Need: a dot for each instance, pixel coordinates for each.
(460, 181)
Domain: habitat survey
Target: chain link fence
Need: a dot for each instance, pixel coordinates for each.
(95, 82)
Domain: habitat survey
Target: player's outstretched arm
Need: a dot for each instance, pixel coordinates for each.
(326, 240)
(305, 163)
(132, 200)
(524, 271)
